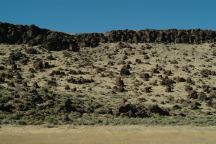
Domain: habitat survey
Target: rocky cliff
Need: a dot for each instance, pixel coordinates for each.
(33, 35)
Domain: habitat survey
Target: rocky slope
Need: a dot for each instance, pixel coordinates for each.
(54, 77)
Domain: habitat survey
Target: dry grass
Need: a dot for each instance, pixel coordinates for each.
(107, 135)
(94, 72)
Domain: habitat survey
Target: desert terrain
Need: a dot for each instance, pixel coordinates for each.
(152, 86)
(117, 79)
(107, 135)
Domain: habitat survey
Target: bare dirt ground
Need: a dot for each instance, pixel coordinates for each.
(107, 135)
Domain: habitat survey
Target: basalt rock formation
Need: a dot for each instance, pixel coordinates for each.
(149, 36)
(33, 35)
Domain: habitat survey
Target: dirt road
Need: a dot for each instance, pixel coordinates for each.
(107, 135)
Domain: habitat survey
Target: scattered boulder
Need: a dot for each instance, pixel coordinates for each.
(125, 70)
(67, 87)
(130, 110)
(155, 109)
(2, 67)
(79, 80)
(40, 65)
(179, 79)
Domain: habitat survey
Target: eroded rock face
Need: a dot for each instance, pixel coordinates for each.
(33, 35)
(150, 36)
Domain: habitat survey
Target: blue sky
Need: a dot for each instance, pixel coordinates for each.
(104, 15)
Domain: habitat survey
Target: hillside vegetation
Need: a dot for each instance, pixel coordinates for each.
(119, 77)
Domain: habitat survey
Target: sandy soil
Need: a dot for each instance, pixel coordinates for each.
(107, 135)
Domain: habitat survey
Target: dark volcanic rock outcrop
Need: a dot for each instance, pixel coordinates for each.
(153, 36)
(33, 35)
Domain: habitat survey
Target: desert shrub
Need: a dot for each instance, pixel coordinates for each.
(206, 88)
(169, 88)
(15, 56)
(167, 81)
(11, 84)
(79, 72)
(173, 62)
(2, 67)
(214, 53)
(50, 57)
(6, 107)
(2, 78)
(156, 69)
(145, 76)
(79, 80)
(24, 61)
(25, 84)
(207, 73)
(74, 89)
(57, 72)
(138, 61)
(67, 87)
(125, 70)
(111, 63)
(193, 94)
(40, 64)
(190, 81)
(212, 94)
(156, 109)
(126, 109)
(18, 75)
(194, 105)
(31, 50)
(21, 122)
(179, 79)
(168, 72)
(119, 86)
(14, 67)
(188, 88)
(202, 96)
(35, 85)
(32, 70)
(52, 82)
(148, 89)
(146, 57)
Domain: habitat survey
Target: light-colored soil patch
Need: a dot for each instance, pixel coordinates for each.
(107, 135)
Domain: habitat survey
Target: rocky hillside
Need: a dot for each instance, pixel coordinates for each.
(149, 76)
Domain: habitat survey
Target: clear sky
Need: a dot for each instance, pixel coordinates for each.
(105, 15)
